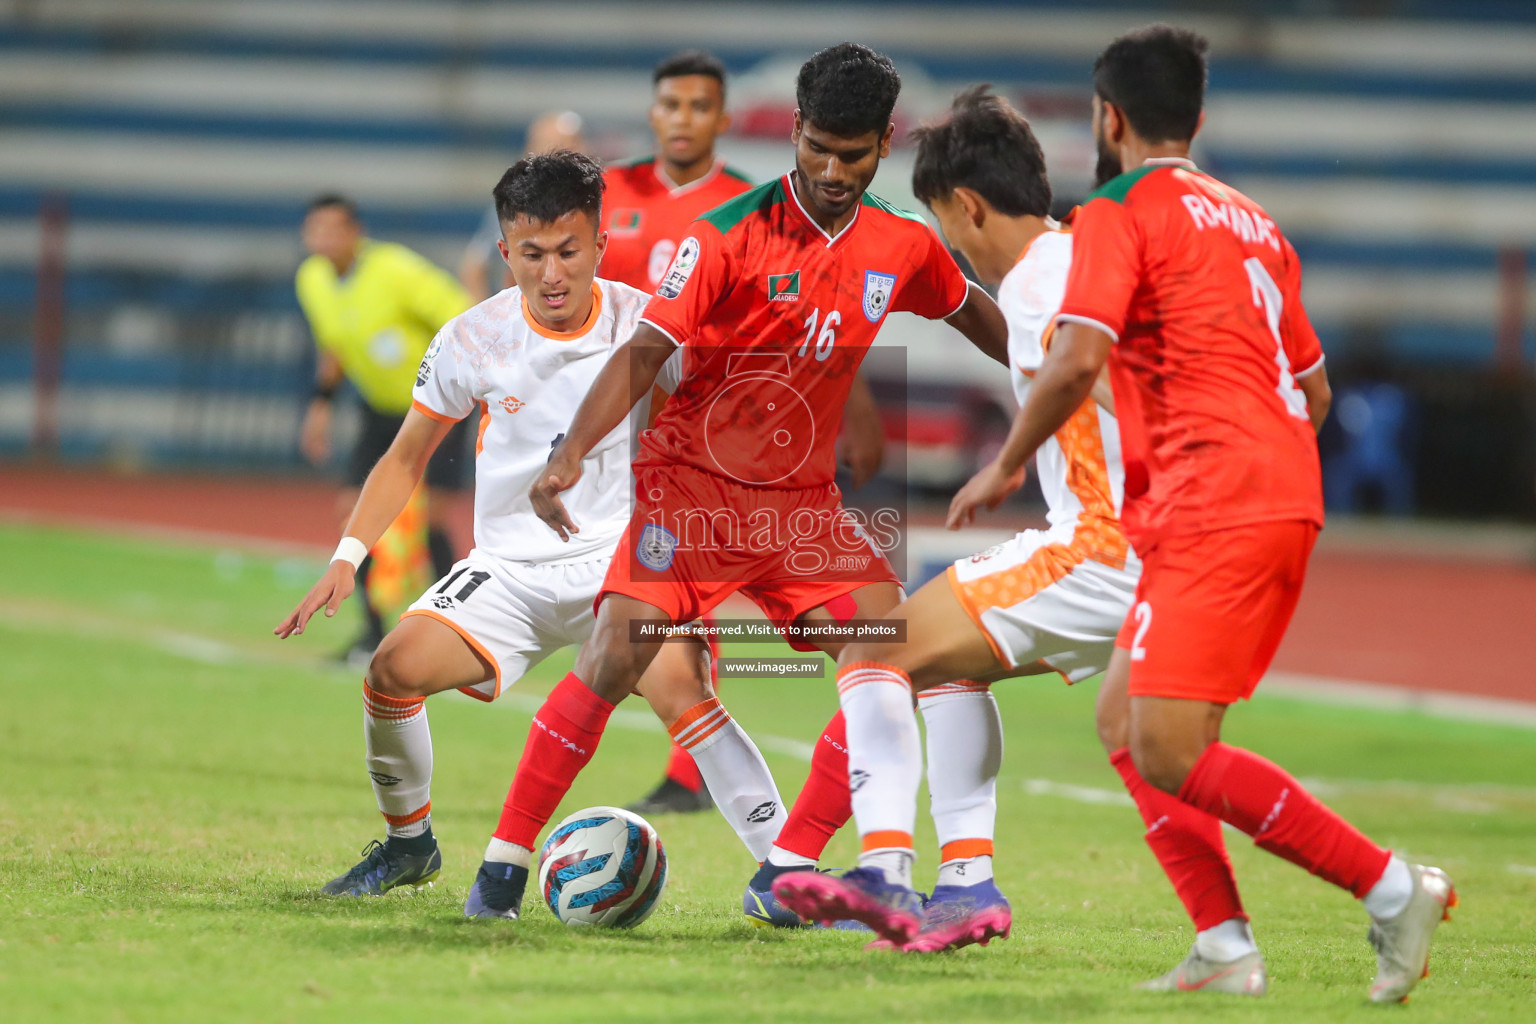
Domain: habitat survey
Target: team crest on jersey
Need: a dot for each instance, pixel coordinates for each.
(784, 287)
(424, 371)
(877, 294)
(656, 548)
(624, 223)
(682, 268)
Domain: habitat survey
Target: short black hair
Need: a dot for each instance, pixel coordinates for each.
(547, 186)
(986, 145)
(690, 62)
(1156, 77)
(332, 200)
(848, 90)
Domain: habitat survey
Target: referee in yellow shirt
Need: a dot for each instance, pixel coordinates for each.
(373, 308)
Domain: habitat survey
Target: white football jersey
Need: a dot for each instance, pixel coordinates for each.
(527, 382)
(1080, 470)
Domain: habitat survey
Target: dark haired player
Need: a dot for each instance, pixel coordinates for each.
(1193, 296)
(774, 299)
(1045, 601)
(521, 359)
(650, 204)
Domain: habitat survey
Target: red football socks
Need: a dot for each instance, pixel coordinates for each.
(1187, 843)
(682, 770)
(561, 740)
(1262, 800)
(824, 805)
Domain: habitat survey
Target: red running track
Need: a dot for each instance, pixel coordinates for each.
(1427, 623)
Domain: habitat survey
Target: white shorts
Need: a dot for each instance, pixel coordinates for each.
(515, 614)
(1036, 597)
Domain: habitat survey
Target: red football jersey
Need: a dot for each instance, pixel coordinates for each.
(1202, 295)
(646, 216)
(774, 317)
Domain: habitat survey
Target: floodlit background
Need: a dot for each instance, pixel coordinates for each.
(177, 782)
(156, 155)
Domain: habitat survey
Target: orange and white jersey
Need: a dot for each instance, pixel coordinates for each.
(1058, 596)
(526, 382)
(1080, 471)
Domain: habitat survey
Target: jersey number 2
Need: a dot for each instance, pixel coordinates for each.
(1266, 295)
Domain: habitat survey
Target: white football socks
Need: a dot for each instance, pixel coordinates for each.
(399, 747)
(1226, 942)
(502, 852)
(965, 753)
(734, 770)
(885, 764)
(1389, 896)
(785, 859)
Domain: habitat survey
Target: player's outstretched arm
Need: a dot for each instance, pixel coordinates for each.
(384, 496)
(628, 377)
(982, 322)
(1064, 380)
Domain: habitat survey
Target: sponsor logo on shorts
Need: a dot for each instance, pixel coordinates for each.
(681, 270)
(512, 403)
(656, 548)
(877, 294)
(982, 556)
(784, 287)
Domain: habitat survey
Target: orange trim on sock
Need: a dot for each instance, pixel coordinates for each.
(860, 672)
(409, 819)
(958, 686)
(965, 849)
(385, 701)
(692, 715)
(886, 839)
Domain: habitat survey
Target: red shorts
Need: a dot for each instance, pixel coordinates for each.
(695, 538)
(1211, 609)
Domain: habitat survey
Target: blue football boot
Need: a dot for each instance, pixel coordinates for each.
(760, 905)
(388, 865)
(497, 892)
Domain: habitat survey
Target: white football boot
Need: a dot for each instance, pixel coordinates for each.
(1244, 976)
(1402, 942)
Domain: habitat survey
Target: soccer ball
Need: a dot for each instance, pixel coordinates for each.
(602, 866)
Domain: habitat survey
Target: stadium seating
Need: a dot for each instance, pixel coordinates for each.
(1398, 154)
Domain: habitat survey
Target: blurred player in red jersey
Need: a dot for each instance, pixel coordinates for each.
(651, 202)
(1190, 292)
(774, 299)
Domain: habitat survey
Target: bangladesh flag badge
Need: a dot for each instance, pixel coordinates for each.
(784, 287)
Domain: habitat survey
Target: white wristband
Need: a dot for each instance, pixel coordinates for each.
(350, 550)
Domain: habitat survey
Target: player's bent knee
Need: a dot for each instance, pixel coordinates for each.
(391, 674)
(1163, 763)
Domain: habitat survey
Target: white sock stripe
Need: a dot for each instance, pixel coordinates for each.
(858, 677)
(955, 689)
(393, 714)
(702, 727)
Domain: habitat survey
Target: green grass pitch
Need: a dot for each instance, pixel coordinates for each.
(175, 782)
